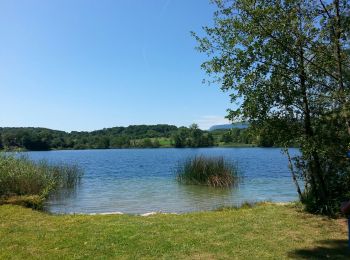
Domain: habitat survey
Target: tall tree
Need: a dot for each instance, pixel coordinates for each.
(285, 74)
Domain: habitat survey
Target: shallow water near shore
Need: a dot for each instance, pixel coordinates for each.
(136, 181)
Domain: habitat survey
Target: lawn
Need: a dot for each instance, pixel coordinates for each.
(265, 231)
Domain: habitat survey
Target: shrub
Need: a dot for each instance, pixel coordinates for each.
(215, 172)
(20, 176)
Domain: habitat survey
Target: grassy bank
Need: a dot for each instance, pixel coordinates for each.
(269, 231)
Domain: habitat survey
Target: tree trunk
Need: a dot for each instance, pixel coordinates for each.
(314, 165)
(294, 177)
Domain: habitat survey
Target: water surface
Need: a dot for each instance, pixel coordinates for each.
(142, 180)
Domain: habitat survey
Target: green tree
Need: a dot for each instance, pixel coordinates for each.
(286, 65)
(147, 143)
(155, 143)
(227, 137)
(195, 136)
(180, 138)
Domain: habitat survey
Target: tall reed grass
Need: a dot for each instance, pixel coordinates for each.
(210, 171)
(20, 176)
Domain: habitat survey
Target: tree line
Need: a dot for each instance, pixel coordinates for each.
(134, 136)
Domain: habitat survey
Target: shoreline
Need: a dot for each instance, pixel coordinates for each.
(244, 205)
(146, 148)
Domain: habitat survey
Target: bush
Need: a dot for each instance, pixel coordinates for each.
(23, 177)
(215, 172)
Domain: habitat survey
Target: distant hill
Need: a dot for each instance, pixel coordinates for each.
(241, 125)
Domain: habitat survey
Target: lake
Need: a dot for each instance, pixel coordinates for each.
(143, 180)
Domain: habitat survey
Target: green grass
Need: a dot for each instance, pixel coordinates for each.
(211, 171)
(262, 232)
(22, 180)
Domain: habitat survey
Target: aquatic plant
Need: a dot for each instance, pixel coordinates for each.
(20, 176)
(211, 171)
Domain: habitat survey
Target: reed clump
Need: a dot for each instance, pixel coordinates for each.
(210, 171)
(22, 179)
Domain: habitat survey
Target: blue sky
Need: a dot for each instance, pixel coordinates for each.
(87, 64)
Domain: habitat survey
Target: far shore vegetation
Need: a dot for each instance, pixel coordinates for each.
(210, 171)
(28, 183)
(134, 136)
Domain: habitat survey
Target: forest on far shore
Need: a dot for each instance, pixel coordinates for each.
(133, 136)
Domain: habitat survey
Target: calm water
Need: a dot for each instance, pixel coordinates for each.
(142, 180)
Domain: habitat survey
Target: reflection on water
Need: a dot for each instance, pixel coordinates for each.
(142, 180)
(65, 193)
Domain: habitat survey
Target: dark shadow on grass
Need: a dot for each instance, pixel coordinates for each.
(327, 249)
